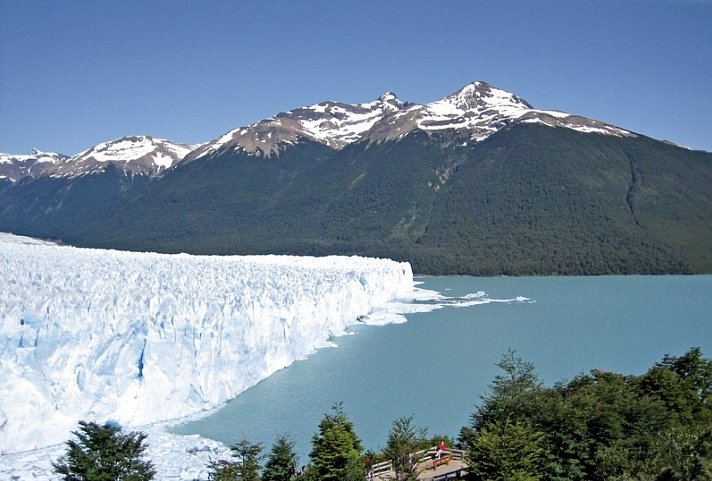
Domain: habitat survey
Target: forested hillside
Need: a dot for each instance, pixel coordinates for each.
(530, 199)
(598, 426)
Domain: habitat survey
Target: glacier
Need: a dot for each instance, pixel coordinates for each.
(140, 338)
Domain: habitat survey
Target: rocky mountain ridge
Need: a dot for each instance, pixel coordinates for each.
(138, 154)
(15, 167)
(473, 113)
(133, 154)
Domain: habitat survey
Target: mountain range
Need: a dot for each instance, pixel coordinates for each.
(478, 182)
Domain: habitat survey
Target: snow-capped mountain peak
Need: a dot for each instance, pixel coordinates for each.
(474, 112)
(15, 167)
(390, 102)
(482, 95)
(135, 154)
(477, 111)
(335, 124)
(477, 108)
(38, 153)
(138, 154)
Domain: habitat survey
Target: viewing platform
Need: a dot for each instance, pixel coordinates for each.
(451, 465)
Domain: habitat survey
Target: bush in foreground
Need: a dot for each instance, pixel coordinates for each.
(104, 453)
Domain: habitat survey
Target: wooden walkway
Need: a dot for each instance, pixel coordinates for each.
(455, 468)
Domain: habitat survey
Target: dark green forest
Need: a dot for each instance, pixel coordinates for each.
(598, 426)
(530, 199)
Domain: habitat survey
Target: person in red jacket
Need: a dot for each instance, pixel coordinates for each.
(441, 449)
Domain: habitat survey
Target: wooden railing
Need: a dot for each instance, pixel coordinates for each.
(384, 467)
(380, 468)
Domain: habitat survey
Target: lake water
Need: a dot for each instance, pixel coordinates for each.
(438, 364)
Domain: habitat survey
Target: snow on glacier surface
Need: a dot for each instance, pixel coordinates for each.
(143, 337)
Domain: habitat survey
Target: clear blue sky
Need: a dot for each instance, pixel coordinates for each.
(76, 73)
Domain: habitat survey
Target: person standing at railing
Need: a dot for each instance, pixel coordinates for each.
(441, 449)
(368, 463)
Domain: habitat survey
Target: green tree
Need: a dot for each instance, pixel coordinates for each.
(281, 463)
(249, 456)
(104, 453)
(600, 426)
(695, 372)
(507, 451)
(682, 454)
(510, 392)
(246, 467)
(336, 449)
(222, 470)
(403, 439)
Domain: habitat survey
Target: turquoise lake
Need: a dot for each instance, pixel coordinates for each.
(437, 365)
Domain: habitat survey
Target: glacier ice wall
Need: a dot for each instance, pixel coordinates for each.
(143, 337)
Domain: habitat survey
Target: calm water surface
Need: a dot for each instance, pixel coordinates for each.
(438, 364)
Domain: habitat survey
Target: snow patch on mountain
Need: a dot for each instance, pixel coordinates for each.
(15, 167)
(142, 337)
(476, 111)
(335, 124)
(137, 154)
(347, 123)
(35, 156)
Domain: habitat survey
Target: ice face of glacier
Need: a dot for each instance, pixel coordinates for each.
(141, 337)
